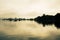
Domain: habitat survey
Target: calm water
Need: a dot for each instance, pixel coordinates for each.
(27, 30)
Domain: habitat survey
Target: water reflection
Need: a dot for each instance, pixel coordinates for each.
(28, 30)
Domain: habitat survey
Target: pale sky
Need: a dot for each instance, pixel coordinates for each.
(30, 7)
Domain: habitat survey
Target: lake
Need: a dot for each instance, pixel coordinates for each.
(27, 30)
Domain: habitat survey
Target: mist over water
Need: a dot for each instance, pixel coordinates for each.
(27, 30)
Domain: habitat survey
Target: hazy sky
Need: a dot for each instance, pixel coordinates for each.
(30, 7)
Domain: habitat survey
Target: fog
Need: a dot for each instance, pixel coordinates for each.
(27, 30)
(30, 8)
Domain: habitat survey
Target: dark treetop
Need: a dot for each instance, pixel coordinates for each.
(45, 19)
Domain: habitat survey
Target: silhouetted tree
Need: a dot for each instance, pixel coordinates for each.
(57, 20)
(45, 19)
